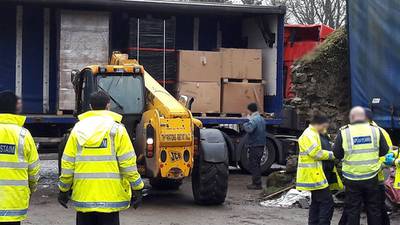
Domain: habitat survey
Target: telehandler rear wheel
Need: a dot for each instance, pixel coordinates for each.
(165, 184)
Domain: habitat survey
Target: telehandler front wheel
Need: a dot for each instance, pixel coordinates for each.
(210, 182)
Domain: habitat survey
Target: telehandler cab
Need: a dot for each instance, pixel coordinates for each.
(170, 143)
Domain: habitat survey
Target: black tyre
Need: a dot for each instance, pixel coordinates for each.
(165, 184)
(266, 161)
(210, 182)
(61, 148)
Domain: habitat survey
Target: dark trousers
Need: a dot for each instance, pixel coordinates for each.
(321, 208)
(368, 192)
(255, 155)
(385, 216)
(97, 218)
(10, 223)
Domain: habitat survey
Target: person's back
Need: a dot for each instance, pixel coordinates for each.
(99, 166)
(255, 129)
(360, 145)
(19, 164)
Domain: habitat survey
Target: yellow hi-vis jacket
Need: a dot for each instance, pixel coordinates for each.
(389, 142)
(396, 183)
(310, 174)
(361, 151)
(19, 168)
(99, 164)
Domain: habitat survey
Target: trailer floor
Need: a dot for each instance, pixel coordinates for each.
(174, 208)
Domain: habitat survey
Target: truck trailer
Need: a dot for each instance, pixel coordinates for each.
(374, 59)
(45, 39)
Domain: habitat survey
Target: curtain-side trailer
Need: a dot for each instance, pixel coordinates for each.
(37, 50)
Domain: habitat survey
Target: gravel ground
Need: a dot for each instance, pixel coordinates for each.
(174, 208)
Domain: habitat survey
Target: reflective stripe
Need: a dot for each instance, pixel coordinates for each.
(362, 151)
(64, 185)
(16, 165)
(312, 185)
(331, 156)
(33, 165)
(312, 147)
(101, 204)
(67, 171)
(126, 156)
(68, 158)
(320, 154)
(348, 137)
(13, 212)
(34, 178)
(361, 176)
(97, 158)
(13, 183)
(79, 148)
(374, 137)
(113, 132)
(128, 169)
(308, 165)
(97, 176)
(136, 183)
(362, 162)
(21, 142)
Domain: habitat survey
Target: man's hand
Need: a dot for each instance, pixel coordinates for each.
(389, 159)
(136, 198)
(63, 198)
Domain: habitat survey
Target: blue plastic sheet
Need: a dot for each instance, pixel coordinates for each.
(374, 43)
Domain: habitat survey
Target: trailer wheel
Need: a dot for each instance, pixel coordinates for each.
(61, 147)
(165, 184)
(210, 182)
(266, 161)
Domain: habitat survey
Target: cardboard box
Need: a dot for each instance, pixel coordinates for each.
(236, 96)
(207, 95)
(199, 66)
(241, 63)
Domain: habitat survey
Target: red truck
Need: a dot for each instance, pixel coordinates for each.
(299, 40)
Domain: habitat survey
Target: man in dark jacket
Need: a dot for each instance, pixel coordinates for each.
(256, 143)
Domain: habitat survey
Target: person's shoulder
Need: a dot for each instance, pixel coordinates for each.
(344, 127)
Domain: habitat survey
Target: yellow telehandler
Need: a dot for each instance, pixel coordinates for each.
(169, 142)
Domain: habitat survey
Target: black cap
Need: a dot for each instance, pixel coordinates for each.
(8, 102)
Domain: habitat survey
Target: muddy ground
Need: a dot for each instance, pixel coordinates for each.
(174, 208)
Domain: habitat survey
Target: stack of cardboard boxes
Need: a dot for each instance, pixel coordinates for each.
(199, 75)
(221, 82)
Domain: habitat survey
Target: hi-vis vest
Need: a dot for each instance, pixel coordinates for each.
(361, 151)
(99, 164)
(310, 174)
(396, 183)
(389, 142)
(19, 168)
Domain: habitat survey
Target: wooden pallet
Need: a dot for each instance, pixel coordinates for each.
(217, 114)
(252, 81)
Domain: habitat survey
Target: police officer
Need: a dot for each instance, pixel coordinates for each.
(19, 162)
(99, 166)
(310, 172)
(257, 140)
(360, 145)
